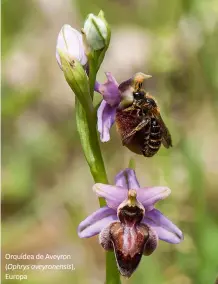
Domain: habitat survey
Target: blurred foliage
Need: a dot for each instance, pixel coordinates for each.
(46, 188)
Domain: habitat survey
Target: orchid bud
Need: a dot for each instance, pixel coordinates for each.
(70, 44)
(97, 31)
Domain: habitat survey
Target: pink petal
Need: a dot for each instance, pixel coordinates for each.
(148, 196)
(106, 118)
(114, 195)
(165, 229)
(109, 90)
(94, 223)
(127, 179)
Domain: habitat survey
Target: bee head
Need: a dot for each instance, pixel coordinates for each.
(131, 90)
(138, 79)
(139, 95)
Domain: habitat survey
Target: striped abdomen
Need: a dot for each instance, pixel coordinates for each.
(152, 138)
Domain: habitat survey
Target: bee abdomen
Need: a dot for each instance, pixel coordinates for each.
(148, 151)
(151, 148)
(146, 136)
(155, 136)
(152, 142)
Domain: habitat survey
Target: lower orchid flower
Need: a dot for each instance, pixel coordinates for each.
(129, 225)
(115, 95)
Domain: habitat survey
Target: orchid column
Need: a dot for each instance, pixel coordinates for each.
(80, 55)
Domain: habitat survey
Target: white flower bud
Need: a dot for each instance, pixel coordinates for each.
(70, 44)
(96, 31)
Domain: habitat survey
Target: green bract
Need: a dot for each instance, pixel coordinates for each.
(77, 79)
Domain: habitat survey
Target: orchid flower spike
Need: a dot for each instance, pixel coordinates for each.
(129, 225)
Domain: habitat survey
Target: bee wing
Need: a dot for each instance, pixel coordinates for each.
(166, 137)
(127, 139)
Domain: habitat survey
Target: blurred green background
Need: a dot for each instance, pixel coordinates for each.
(44, 172)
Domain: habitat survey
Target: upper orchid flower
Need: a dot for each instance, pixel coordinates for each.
(129, 224)
(113, 96)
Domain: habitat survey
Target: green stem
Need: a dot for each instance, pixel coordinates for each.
(92, 75)
(88, 136)
(86, 127)
(112, 274)
(83, 88)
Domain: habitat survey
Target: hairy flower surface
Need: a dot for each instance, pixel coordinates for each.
(129, 224)
(115, 95)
